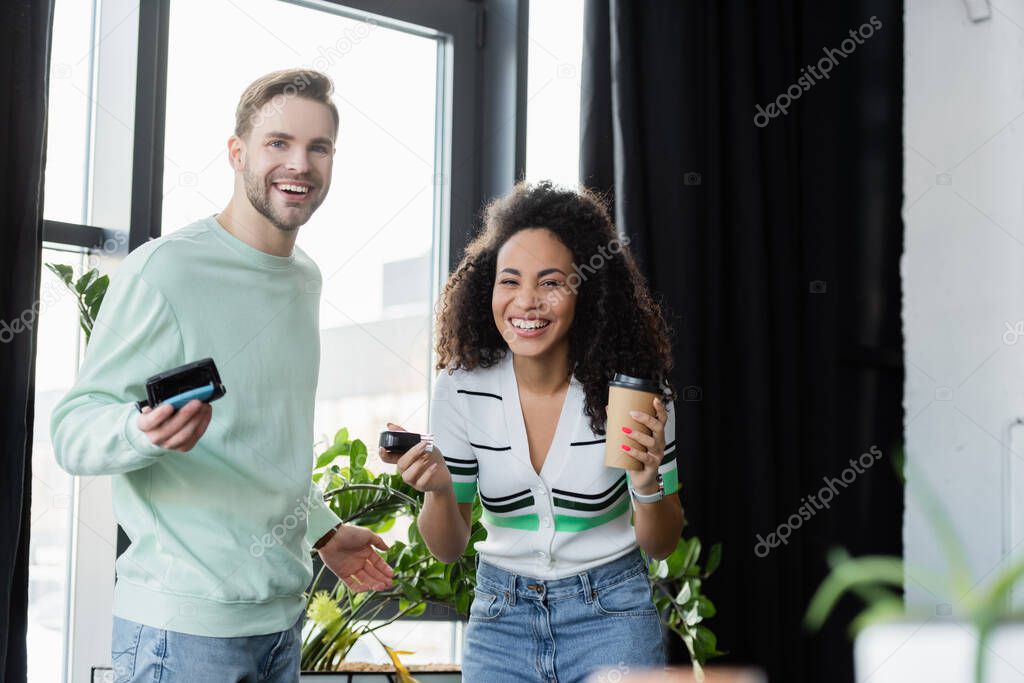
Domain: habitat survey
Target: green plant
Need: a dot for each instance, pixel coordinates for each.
(89, 291)
(876, 580)
(677, 582)
(341, 617)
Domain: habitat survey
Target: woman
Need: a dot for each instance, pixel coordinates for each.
(544, 309)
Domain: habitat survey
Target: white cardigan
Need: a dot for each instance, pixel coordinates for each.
(574, 515)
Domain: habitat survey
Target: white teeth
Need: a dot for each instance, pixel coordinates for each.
(529, 324)
(294, 188)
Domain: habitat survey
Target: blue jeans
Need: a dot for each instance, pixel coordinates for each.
(142, 653)
(524, 629)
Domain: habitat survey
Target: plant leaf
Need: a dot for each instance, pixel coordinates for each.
(691, 553)
(326, 457)
(83, 282)
(437, 588)
(94, 309)
(413, 593)
(714, 559)
(677, 558)
(661, 570)
(382, 526)
(96, 289)
(878, 612)
(846, 574)
(64, 272)
(706, 607)
(357, 456)
(692, 616)
(707, 644)
(462, 601)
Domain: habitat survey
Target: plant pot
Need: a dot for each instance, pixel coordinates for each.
(938, 652)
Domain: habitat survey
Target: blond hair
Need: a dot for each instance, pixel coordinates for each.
(269, 93)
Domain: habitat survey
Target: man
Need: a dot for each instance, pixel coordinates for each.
(217, 498)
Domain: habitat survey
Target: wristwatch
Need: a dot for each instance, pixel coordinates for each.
(649, 497)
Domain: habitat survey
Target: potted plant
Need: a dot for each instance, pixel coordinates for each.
(339, 617)
(984, 642)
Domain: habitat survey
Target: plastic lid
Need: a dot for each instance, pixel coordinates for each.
(635, 383)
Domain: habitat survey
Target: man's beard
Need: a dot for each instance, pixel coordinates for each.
(259, 196)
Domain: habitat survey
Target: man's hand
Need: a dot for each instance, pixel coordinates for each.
(350, 555)
(176, 431)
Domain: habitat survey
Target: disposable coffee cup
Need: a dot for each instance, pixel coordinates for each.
(627, 393)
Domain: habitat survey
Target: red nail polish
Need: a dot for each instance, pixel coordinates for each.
(626, 448)
(627, 430)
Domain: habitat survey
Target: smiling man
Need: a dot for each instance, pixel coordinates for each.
(217, 500)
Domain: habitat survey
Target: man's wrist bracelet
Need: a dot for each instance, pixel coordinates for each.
(327, 537)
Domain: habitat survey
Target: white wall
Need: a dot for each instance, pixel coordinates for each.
(962, 279)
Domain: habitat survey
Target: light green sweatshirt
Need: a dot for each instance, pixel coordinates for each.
(221, 535)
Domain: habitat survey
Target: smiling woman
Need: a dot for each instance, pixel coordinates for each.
(519, 419)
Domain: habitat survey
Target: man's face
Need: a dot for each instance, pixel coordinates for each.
(286, 161)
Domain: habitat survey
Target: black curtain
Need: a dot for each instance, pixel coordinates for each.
(24, 59)
(774, 244)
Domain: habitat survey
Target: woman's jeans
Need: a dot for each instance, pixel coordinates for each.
(525, 629)
(142, 653)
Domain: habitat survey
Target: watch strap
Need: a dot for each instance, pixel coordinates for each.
(648, 497)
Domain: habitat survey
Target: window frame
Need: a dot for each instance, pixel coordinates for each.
(485, 119)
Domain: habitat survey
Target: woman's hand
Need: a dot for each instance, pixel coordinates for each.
(421, 469)
(649, 450)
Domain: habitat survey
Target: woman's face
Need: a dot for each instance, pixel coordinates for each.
(532, 301)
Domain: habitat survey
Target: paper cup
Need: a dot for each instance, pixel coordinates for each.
(627, 393)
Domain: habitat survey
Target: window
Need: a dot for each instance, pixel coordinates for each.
(553, 92)
(374, 238)
(51, 486)
(91, 111)
(137, 136)
(67, 135)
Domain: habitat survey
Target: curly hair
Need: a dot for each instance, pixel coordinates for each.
(617, 326)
